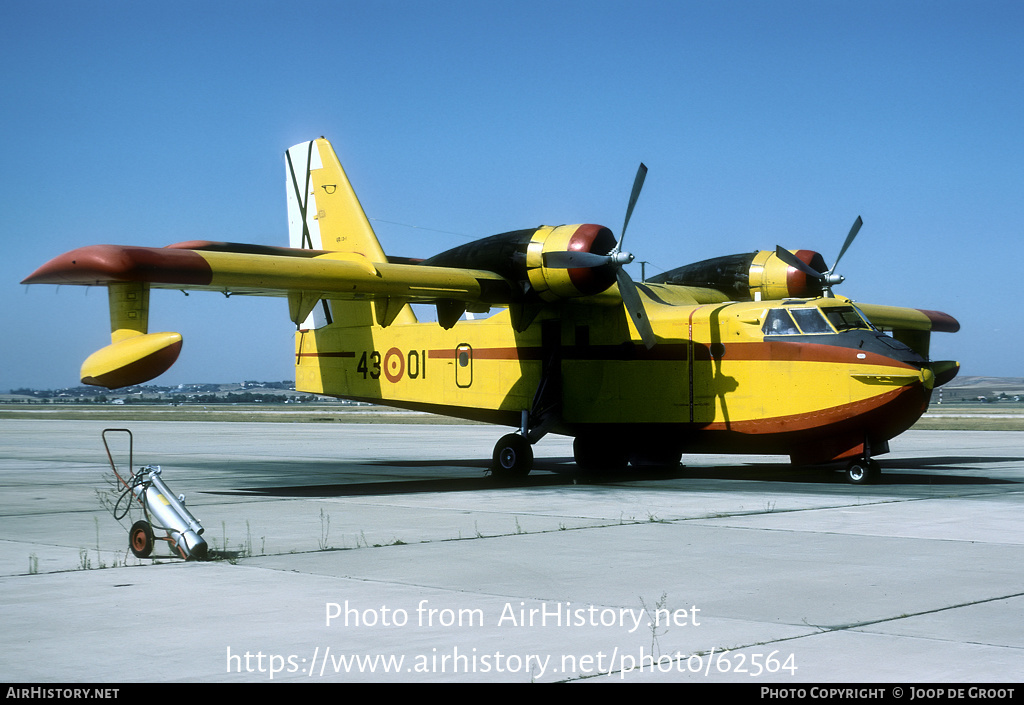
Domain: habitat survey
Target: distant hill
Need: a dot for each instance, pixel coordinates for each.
(991, 388)
(203, 393)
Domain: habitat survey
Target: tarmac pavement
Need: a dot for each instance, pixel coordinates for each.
(382, 553)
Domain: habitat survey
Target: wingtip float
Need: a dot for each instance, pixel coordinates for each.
(749, 353)
(131, 361)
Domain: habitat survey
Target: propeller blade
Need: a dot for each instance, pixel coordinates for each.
(572, 260)
(635, 308)
(638, 183)
(849, 241)
(796, 263)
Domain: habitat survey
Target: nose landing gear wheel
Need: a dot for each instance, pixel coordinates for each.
(513, 457)
(140, 539)
(863, 472)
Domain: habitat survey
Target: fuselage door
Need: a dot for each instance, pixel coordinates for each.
(463, 366)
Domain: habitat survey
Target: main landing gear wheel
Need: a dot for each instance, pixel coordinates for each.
(592, 455)
(140, 539)
(513, 457)
(863, 472)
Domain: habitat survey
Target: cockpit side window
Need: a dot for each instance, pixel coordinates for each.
(778, 322)
(810, 320)
(846, 318)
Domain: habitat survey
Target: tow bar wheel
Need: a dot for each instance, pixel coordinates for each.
(140, 539)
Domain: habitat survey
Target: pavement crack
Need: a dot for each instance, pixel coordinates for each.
(971, 603)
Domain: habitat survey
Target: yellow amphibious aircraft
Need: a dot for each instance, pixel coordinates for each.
(746, 353)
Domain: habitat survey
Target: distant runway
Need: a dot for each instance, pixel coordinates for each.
(379, 553)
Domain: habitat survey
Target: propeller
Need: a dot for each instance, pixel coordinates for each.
(617, 258)
(830, 278)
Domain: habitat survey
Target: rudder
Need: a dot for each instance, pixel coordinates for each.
(325, 214)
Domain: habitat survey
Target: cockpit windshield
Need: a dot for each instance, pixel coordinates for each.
(812, 321)
(778, 322)
(846, 318)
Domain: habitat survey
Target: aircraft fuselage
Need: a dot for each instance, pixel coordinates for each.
(806, 378)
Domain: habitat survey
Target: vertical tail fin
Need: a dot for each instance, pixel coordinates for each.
(324, 214)
(323, 210)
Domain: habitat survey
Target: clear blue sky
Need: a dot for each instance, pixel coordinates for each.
(762, 123)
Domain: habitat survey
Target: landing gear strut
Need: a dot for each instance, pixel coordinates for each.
(513, 456)
(865, 470)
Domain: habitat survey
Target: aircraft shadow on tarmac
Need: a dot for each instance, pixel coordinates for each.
(762, 472)
(400, 486)
(823, 476)
(553, 472)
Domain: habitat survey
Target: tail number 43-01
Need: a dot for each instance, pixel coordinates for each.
(394, 364)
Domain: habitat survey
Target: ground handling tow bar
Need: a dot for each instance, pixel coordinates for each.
(161, 510)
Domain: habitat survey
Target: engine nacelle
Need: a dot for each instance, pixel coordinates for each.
(553, 283)
(757, 276)
(519, 256)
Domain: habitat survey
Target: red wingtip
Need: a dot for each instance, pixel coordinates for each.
(102, 264)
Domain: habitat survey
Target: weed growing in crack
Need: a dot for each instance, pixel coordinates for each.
(246, 551)
(325, 529)
(656, 629)
(99, 557)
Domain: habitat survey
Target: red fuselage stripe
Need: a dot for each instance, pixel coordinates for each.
(759, 351)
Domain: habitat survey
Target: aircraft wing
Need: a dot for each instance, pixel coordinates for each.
(304, 276)
(271, 271)
(913, 327)
(908, 319)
